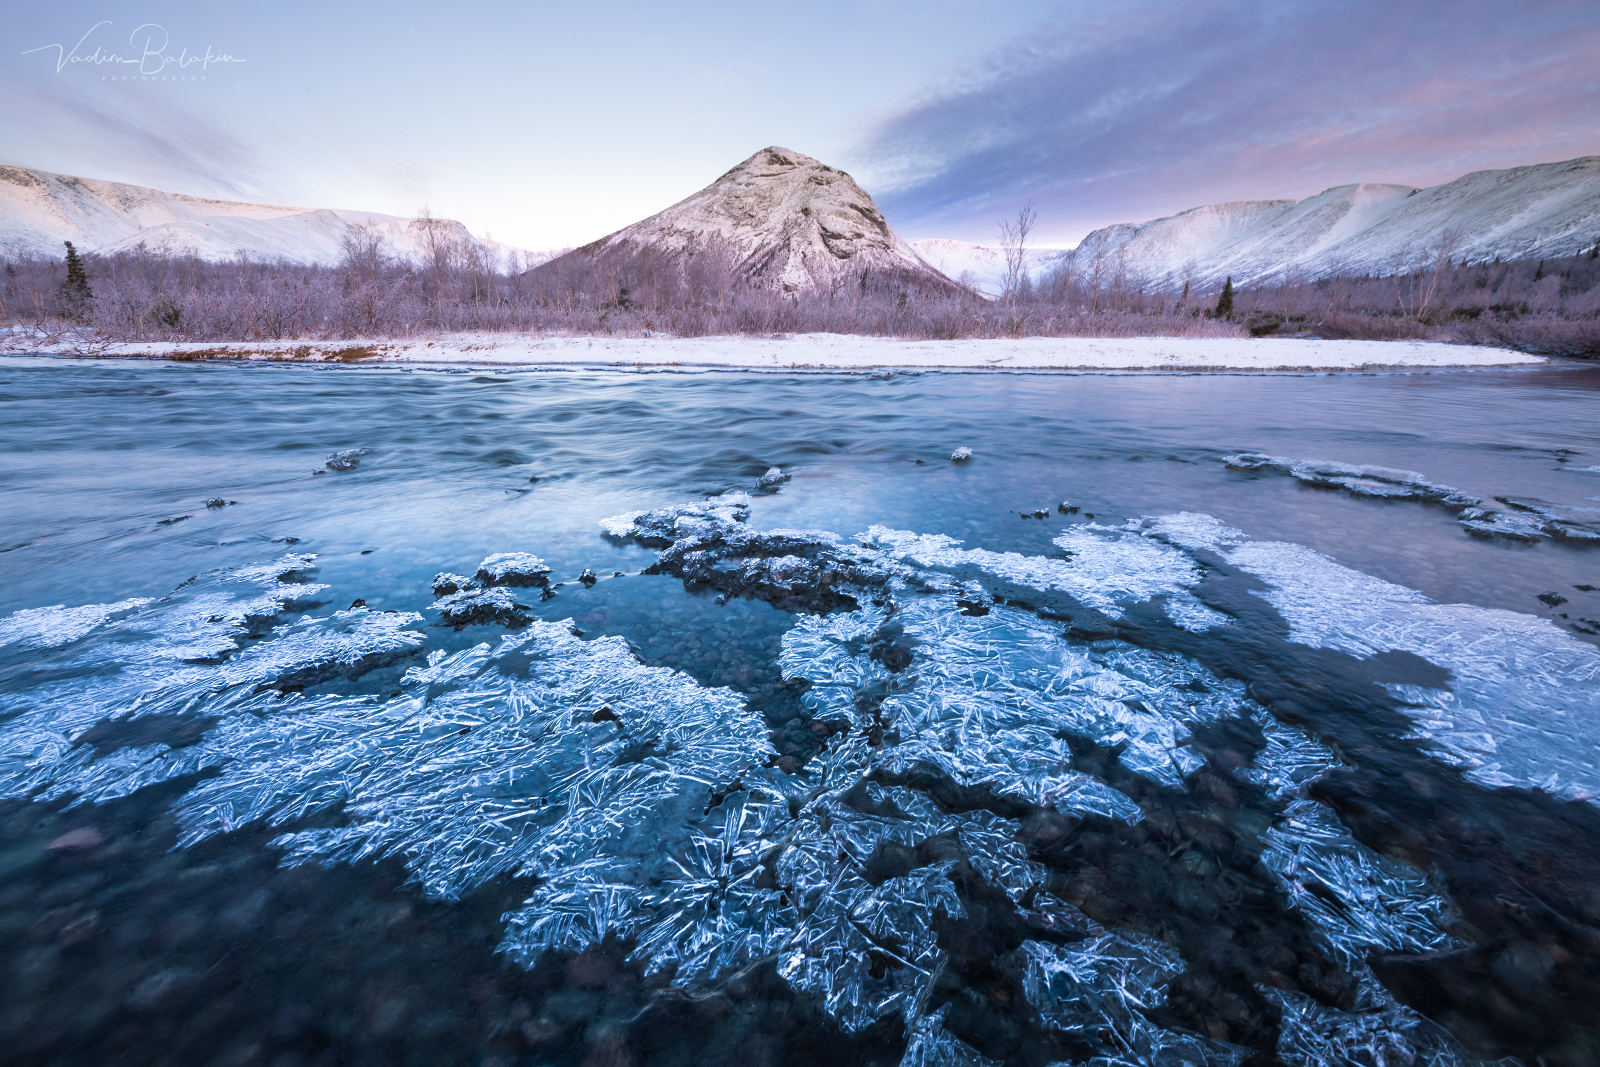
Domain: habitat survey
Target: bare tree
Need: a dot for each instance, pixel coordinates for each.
(1014, 244)
(366, 252)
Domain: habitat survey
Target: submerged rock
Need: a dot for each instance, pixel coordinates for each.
(772, 479)
(445, 583)
(347, 460)
(709, 546)
(516, 569)
(480, 607)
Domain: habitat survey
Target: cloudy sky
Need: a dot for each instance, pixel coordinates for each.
(550, 124)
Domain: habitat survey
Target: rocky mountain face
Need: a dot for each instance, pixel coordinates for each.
(1543, 211)
(788, 222)
(39, 210)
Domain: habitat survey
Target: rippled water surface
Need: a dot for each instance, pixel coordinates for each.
(1208, 719)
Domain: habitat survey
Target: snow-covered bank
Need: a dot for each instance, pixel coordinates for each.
(836, 352)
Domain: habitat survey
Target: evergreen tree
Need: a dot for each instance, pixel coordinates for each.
(76, 287)
(1225, 301)
(1538, 274)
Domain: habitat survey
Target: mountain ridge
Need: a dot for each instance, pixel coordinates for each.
(792, 224)
(40, 209)
(1545, 210)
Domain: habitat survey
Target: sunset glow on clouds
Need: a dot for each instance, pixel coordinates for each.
(548, 126)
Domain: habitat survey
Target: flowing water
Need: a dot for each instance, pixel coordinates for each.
(1192, 719)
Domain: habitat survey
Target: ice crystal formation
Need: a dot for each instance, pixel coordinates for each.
(1516, 713)
(647, 807)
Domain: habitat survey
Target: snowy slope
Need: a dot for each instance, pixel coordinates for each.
(981, 267)
(39, 210)
(792, 223)
(1548, 210)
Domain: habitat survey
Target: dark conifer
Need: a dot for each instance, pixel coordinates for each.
(76, 287)
(1225, 301)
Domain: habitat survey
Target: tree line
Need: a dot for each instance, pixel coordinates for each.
(454, 286)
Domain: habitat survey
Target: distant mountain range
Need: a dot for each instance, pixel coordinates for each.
(1538, 212)
(790, 224)
(793, 224)
(39, 210)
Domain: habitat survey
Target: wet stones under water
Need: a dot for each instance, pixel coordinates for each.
(1185, 857)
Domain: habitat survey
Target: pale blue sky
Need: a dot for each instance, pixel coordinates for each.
(551, 124)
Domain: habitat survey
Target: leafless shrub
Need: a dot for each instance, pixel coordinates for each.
(156, 295)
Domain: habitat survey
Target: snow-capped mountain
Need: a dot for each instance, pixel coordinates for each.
(982, 267)
(793, 224)
(1543, 211)
(39, 210)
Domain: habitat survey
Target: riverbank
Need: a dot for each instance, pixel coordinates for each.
(835, 352)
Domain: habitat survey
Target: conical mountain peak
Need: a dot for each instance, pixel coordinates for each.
(790, 222)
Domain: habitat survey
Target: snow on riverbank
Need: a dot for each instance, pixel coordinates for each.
(837, 352)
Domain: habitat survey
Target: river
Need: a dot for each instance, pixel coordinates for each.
(1191, 718)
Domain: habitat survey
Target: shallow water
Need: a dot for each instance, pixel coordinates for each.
(1373, 831)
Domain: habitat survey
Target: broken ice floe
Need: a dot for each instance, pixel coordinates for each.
(1557, 520)
(1528, 519)
(1360, 480)
(929, 1044)
(1518, 711)
(1106, 568)
(643, 802)
(60, 625)
(1379, 1031)
(444, 583)
(1355, 899)
(185, 656)
(1100, 989)
(1000, 690)
(1523, 690)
